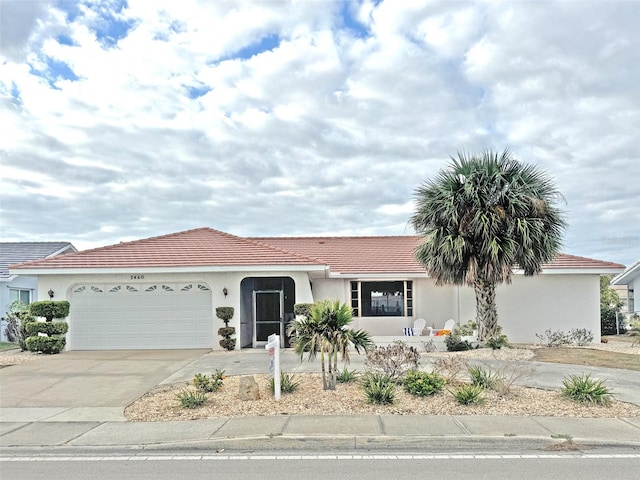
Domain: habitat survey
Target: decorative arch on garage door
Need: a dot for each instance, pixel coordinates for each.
(159, 315)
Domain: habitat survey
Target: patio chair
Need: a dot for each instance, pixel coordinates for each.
(418, 326)
(449, 325)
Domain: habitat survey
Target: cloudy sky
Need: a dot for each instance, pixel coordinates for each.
(128, 119)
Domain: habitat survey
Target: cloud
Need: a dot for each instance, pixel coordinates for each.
(131, 119)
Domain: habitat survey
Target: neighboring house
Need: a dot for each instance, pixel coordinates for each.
(630, 279)
(22, 287)
(161, 292)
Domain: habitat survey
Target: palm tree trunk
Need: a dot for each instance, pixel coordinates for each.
(324, 374)
(486, 309)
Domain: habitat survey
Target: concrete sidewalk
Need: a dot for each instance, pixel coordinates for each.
(328, 432)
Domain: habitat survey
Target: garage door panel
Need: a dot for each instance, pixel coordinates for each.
(115, 317)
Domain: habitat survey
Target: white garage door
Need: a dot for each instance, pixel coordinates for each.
(151, 316)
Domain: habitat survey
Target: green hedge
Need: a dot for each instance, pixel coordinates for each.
(50, 309)
(48, 328)
(45, 344)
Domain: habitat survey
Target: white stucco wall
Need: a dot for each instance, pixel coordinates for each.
(63, 284)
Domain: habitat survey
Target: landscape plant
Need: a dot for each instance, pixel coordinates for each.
(496, 343)
(347, 376)
(554, 339)
(580, 336)
(450, 368)
(211, 383)
(226, 314)
(17, 318)
(483, 377)
(394, 360)
(47, 337)
(326, 332)
(584, 389)
(610, 308)
(378, 388)
(191, 398)
(468, 394)
(455, 343)
(288, 383)
(480, 218)
(423, 384)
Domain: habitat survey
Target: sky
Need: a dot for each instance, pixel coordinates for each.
(122, 120)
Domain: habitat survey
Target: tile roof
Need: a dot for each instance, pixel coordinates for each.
(18, 252)
(207, 247)
(350, 255)
(198, 247)
(393, 254)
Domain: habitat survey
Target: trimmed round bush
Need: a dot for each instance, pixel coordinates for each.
(423, 384)
(50, 309)
(48, 328)
(49, 345)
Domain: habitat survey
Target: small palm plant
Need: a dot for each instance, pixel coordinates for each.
(325, 331)
(584, 389)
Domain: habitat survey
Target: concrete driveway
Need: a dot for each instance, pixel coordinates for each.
(85, 385)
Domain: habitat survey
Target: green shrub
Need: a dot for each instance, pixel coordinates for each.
(583, 389)
(209, 384)
(469, 394)
(228, 343)
(48, 328)
(466, 329)
(482, 377)
(455, 343)
(379, 388)
(49, 345)
(288, 384)
(346, 375)
(49, 309)
(224, 313)
(226, 331)
(303, 309)
(17, 318)
(191, 398)
(496, 343)
(394, 360)
(423, 384)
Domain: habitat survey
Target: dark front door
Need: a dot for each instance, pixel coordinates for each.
(267, 315)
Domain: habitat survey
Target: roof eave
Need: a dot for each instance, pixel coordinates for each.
(160, 269)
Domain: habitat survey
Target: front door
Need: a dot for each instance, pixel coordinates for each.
(267, 315)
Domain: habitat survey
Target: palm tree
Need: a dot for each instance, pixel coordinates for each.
(480, 218)
(326, 332)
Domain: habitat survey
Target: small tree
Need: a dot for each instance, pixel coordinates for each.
(17, 319)
(48, 336)
(325, 331)
(610, 307)
(225, 314)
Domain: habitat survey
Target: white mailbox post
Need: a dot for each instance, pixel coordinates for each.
(273, 345)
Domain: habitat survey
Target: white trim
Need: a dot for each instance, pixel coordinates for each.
(628, 275)
(62, 250)
(185, 269)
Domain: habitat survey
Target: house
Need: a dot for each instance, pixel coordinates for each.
(161, 292)
(629, 279)
(21, 287)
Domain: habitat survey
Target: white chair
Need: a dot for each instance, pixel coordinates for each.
(449, 325)
(418, 326)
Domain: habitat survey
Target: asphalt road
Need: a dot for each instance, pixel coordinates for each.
(282, 466)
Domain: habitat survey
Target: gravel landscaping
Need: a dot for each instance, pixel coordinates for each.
(309, 399)
(161, 404)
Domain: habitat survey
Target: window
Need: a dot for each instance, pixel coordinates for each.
(22, 295)
(382, 299)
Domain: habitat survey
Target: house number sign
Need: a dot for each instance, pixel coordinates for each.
(137, 277)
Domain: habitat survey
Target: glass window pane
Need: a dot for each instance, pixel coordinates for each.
(382, 299)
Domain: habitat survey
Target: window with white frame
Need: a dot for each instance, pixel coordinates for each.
(19, 294)
(382, 299)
